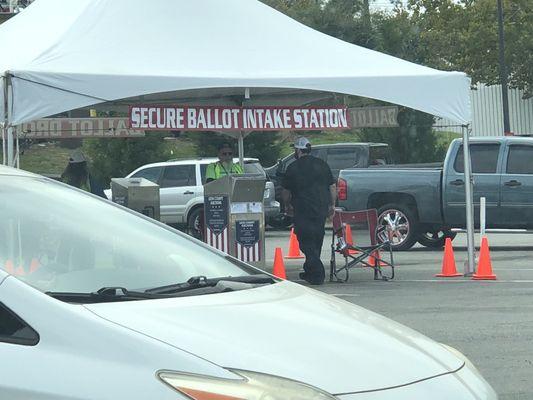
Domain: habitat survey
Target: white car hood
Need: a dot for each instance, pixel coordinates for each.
(291, 331)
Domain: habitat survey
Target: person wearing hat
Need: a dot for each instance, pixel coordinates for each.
(77, 174)
(309, 194)
(224, 166)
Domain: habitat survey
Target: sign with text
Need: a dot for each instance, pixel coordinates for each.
(216, 222)
(200, 118)
(374, 117)
(68, 128)
(216, 213)
(247, 243)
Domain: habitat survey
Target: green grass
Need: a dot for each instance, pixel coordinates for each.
(46, 158)
(51, 159)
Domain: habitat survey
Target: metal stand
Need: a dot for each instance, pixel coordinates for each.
(241, 148)
(7, 130)
(4, 122)
(469, 204)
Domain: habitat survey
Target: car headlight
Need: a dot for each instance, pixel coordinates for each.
(266, 195)
(252, 386)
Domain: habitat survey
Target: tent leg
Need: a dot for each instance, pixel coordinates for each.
(241, 149)
(17, 153)
(7, 132)
(4, 137)
(469, 204)
(4, 121)
(10, 148)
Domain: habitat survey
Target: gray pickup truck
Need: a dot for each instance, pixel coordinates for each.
(423, 203)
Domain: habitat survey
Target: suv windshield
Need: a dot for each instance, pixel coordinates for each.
(250, 167)
(59, 239)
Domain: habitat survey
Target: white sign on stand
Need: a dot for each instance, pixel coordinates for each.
(482, 216)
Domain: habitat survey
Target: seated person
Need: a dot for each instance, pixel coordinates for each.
(224, 166)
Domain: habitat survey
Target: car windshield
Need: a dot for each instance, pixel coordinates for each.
(59, 239)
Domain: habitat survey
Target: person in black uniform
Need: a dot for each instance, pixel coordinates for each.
(309, 194)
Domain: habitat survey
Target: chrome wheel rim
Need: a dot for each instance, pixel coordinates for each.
(195, 228)
(396, 225)
(196, 224)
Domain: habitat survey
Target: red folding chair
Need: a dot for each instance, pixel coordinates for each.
(377, 255)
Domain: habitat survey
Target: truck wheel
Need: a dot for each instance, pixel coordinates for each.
(194, 223)
(435, 239)
(399, 225)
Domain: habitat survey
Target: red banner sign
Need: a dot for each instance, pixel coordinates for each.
(199, 118)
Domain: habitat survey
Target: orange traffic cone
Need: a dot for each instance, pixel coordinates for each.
(372, 259)
(294, 247)
(20, 271)
(279, 267)
(449, 269)
(349, 239)
(10, 269)
(34, 265)
(484, 267)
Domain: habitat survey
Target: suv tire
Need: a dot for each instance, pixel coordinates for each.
(195, 224)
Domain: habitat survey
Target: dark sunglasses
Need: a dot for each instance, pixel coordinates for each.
(227, 153)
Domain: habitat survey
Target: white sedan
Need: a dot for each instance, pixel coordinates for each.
(100, 303)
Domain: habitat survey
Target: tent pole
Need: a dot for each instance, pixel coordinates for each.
(17, 153)
(241, 148)
(4, 121)
(9, 157)
(10, 147)
(3, 145)
(469, 203)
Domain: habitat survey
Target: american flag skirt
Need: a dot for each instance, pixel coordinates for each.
(248, 253)
(219, 241)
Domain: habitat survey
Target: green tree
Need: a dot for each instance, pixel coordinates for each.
(412, 142)
(112, 158)
(463, 35)
(262, 145)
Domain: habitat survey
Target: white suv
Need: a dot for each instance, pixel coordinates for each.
(181, 188)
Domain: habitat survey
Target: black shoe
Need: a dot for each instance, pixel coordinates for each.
(305, 277)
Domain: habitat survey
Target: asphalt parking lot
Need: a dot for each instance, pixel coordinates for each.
(491, 322)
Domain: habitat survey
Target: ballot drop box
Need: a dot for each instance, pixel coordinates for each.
(234, 217)
(138, 194)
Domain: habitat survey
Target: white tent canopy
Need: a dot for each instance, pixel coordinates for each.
(59, 55)
(67, 54)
